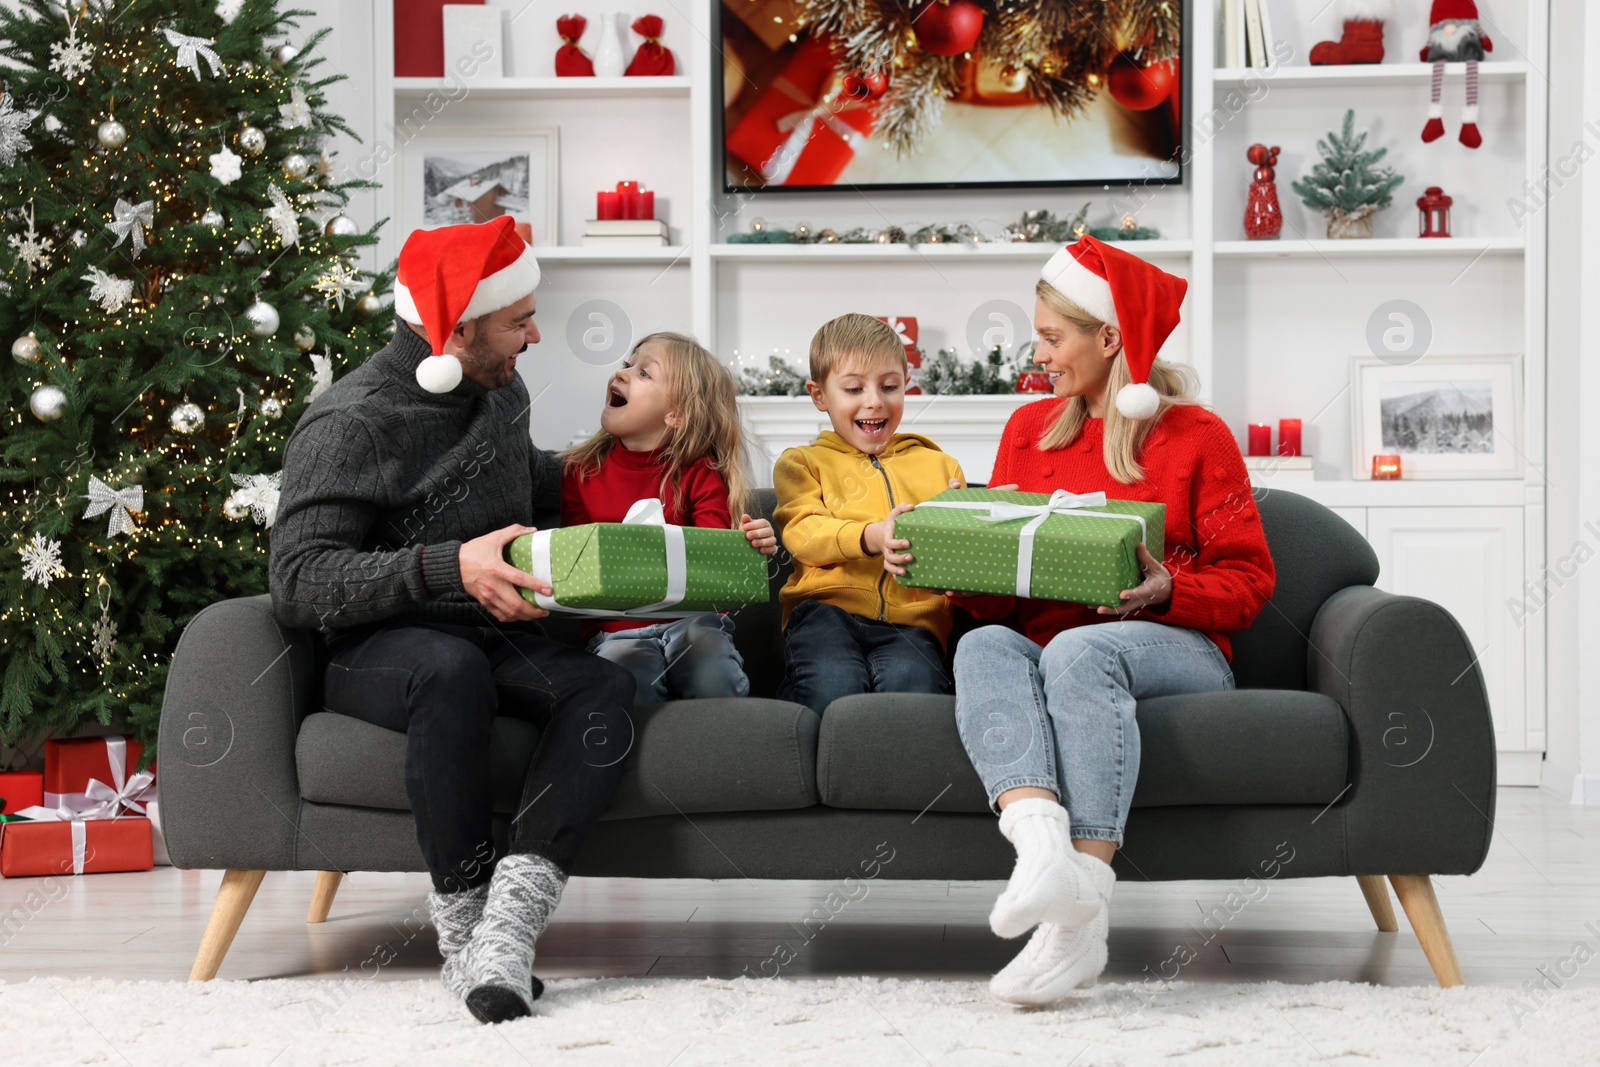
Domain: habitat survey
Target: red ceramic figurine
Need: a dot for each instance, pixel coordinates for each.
(1263, 219)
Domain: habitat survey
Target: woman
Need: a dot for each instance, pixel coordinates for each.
(1045, 703)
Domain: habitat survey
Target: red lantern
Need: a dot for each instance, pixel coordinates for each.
(1433, 213)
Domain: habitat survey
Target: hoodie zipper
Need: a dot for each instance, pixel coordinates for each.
(883, 575)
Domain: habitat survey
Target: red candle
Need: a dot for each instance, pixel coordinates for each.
(1288, 437)
(647, 204)
(1260, 439)
(1385, 468)
(627, 187)
(608, 205)
(633, 205)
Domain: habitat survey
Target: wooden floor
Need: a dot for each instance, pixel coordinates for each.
(1526, 909)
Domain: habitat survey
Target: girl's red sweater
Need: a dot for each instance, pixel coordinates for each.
(627, 476)
(1222, 574)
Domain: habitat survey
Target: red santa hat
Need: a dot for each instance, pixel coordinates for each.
(454, 273)
(1452, 10)
(1136, 297)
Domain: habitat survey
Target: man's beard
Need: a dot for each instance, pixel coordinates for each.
(480, 363)
(1451, 44)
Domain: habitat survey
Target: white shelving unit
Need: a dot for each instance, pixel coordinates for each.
(1269, 325)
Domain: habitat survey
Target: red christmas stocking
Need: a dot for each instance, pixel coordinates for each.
(570, 59)
(651, 59)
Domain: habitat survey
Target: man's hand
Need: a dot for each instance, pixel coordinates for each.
(874, 534)
(493, 582)
(759, 533)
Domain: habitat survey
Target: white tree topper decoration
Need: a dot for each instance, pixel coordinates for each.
(41, 560)
(259, 492)
(191, 50)
(109, 290)
(123, 503)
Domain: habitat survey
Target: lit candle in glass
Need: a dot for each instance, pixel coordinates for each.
(1288, 437)
(1260, 439)
(1385, 468)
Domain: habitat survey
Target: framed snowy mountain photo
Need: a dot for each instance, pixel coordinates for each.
(474, 175)
(1445, 416)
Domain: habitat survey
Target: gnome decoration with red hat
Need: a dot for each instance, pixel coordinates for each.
(1454, 36)
(455, 273)
(1361, 40)
(1122, 290)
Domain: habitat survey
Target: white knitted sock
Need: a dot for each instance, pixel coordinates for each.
(498, 958)
(1050, 882)
(1055, 962)
(455, 915)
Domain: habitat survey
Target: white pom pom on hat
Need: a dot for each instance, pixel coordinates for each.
(455, 273)
(1138, 298)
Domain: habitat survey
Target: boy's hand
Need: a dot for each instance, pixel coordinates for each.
(493, 582)
(874, 534)
(759, 533)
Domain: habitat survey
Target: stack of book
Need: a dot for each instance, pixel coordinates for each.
(1279, 469)
(1246, 35)
(625, 233)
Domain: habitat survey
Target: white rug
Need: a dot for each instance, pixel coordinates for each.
(883, 1023)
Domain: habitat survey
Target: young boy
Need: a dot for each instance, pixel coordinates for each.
(849, 627)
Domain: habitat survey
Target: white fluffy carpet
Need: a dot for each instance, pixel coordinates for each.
(683, 1023)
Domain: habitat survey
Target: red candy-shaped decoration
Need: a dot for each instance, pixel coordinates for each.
(571, 61)
(651, 60)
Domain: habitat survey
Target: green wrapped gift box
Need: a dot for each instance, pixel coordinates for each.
(613, 569)
(1084, 554)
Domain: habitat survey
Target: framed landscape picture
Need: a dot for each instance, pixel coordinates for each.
(1445, 416)
(474, 175)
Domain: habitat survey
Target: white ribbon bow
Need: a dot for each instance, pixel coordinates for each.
(122, 502)
(1061, 502)
(800, 125)
(193, 49)
(899, 328)
(130, 220)
(80, 832)
(102, 801)
(647, 512)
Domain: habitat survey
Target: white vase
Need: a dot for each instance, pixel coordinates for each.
(610, 57)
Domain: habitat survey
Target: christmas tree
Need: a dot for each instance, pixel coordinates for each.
(1347, 183)
(179, 282)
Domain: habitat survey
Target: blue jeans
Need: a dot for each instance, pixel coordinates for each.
(685, 659)
(830, 653)
(1061, 717)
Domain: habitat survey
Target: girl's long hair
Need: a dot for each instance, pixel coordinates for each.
(1124, 437)
(702, 393)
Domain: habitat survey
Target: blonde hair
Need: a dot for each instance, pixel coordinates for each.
(1124, 437)
(702, 393)
(854, 337)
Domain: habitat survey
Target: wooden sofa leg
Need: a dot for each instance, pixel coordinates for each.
(1376, 890)
(322, 896)
(233, 900)
(1422, 908)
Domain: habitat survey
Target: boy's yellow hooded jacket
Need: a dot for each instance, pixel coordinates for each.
(828, 492)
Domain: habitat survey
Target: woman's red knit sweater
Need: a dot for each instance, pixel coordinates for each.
(1222, 574)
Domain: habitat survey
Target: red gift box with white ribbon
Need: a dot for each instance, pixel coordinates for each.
(95, 776)
(20, 789)
(803, 130)
(906, 329)
(56, 841)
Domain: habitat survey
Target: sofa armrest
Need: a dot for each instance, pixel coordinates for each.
(238, 688)
(1422, 759)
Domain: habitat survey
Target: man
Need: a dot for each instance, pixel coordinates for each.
(401, 487)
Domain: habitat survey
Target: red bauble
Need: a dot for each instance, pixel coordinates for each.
(859, 85)
(947, 27)
(1140, 88)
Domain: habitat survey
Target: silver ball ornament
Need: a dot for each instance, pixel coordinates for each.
(284, 54)
(112, 134)
(252, 142)
(304, 338)
(341, 226)
(369, 306)
(213, 218)
(271, 407)
(26, 350)
(296, 166)
(234, 508)
(262, 317)
(827, 237)
(187, 417)
(48, 403)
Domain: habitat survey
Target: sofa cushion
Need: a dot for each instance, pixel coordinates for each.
(1259, 746)
(686, 757)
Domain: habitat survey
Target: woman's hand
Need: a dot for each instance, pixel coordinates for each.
(875, 535)
(1012, 488)
(759, 533)
(1155, 589)
(493, 582)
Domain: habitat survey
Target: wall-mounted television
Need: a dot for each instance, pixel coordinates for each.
(940, 94)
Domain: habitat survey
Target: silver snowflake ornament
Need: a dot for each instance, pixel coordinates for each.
(105, 637)
(70, 58)
(33, 249)
(282, 216)
(41, 560)
(225, 165)
(297, 112)
(13, 124)
(110, 291)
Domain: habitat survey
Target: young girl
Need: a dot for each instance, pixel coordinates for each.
(670, 429)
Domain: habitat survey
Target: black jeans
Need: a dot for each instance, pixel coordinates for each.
(443, 685)
(829, 653)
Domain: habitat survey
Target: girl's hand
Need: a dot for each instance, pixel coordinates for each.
(759, 533)
(1155, 589)
(875, 535)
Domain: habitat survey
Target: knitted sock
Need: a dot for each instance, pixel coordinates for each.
(1055, 962)
(1049, 883)
(455, 916)
(498, 957)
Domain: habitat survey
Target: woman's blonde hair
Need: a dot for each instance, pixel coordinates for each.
(1123, 437)
(702, 393)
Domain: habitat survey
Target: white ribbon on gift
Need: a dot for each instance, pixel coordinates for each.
(1061, 502)
(80, 832)
(648, 512)
(800, 125)
(102, 801)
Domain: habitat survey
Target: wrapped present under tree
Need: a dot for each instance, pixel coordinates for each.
(53, 841)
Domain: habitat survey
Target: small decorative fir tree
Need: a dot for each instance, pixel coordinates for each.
(177, 283)
(1347, 185)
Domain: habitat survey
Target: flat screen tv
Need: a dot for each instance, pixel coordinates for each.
(942, 94)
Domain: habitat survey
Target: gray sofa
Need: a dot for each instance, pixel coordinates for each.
(1359, 743)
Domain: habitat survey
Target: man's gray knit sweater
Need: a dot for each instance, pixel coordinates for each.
(383, 481)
